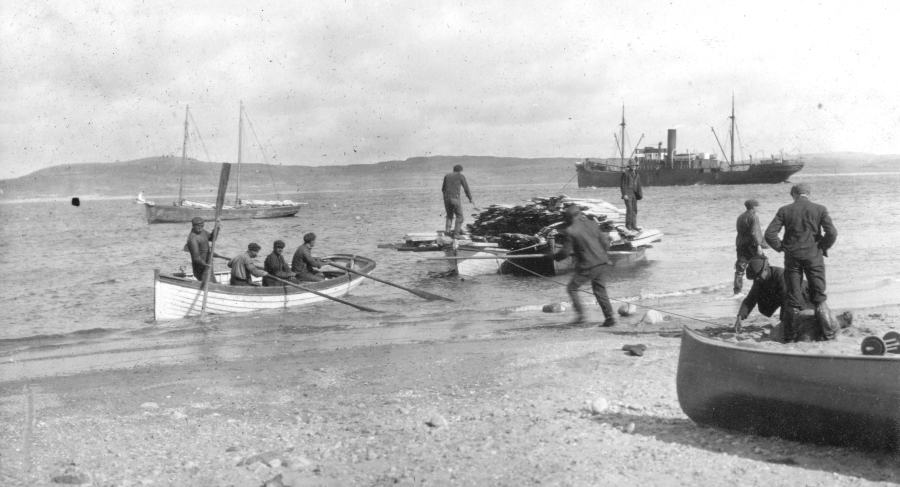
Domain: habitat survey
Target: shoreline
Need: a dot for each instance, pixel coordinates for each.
(507, 407)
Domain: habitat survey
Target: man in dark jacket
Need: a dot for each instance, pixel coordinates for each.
(768, 291)
(276, 266)
(304, 265)
(804, 247)
(453, 182)
(588, 246)
(198, 246)
(630, 184)
(749, 242)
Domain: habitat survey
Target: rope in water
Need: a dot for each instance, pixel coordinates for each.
(614, 299)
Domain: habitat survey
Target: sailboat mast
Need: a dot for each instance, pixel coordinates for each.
(732, 128)
(622, 143)
(187, 111)
(237, 196)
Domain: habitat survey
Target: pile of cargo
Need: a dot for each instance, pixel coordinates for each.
(533, 217)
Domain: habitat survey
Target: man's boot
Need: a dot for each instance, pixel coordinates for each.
(448, 226)
(738, 283)
(827, 325)
(791, 316)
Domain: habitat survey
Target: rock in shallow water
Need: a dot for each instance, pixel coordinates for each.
(599, 405)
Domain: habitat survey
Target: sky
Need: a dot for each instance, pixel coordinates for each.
(343, 82)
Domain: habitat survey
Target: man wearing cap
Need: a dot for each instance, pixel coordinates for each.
(768, 291)
(452, 200)
(243, 268)
(304, 264)
(749, 242)
(630, 184)
(276, 266)
(804, 246)
(198, 246)
(587, 244)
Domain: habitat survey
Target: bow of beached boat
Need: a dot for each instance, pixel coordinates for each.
(827, 399)
(179, 295)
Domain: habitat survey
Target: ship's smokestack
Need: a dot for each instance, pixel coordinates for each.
(670, 149)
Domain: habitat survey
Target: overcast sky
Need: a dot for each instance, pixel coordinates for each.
(360, 82)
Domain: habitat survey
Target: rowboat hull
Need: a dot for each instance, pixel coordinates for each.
(184, 214)
(177, 297)
(825, 399)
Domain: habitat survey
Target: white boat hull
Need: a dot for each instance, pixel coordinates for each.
(180, 297)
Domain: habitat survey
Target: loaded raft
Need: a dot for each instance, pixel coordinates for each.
(525, 237)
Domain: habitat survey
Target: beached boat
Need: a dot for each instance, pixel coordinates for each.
(661, 166)
(183, 211)
(826, 399)
(179, 295)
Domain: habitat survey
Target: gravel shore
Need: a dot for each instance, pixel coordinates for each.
(538, 406)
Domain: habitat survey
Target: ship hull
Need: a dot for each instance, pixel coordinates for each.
(184, 214)
(756, 174)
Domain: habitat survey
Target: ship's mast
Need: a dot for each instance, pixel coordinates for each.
(237, 195)
(732, 128)
(622, 142)
(187, 111)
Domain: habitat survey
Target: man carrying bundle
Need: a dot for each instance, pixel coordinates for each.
(452, 201)
(804, 248)
(587, 245)
(304, 265)
(749, 242)
(198, 246)
(630, 184)
(243, 268)
(276, 266)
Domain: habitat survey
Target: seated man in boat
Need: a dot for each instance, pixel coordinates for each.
(768, 291)
(276, 266)
(198, 246)
(243, 268)
(304, 265)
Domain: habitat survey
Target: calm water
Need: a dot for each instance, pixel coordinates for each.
(78, 280)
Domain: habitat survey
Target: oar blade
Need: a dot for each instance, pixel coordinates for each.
(429, 296)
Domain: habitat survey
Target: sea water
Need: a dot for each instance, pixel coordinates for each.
(77, 290)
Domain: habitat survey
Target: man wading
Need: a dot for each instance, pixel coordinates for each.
(452, 201)
(749, 242)
(804, 248)
(588, 246)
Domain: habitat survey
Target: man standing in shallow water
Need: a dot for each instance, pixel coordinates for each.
(804, 248)
(198, 246)
(749, 242)
(452, 201)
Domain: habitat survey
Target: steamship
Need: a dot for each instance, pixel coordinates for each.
(663, 166)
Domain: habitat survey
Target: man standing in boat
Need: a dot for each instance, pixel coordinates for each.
(243, 268)
(198, 246)
(452, 200)
(630, 184)
(587, 244)
(276, 266)
(304, 265)
(804, 247)
(749, 242)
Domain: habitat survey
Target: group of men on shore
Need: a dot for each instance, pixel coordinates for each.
(304, 267)
(808, 234)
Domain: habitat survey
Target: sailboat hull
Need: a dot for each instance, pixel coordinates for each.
(184, 214)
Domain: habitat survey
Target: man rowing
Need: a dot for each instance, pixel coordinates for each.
(198, 246)
(304, 265)
(276, 266)
(243, 269)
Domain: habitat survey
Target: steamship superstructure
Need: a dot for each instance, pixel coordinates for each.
(663, 166)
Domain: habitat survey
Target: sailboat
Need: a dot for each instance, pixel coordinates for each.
(182, 211)
(662, 166)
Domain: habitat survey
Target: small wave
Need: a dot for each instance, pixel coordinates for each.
(672, 294)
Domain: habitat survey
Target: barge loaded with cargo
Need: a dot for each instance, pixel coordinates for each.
(662, 166)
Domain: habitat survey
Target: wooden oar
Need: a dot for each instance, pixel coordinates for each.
(523, 256)
(348, 303)
(421, 294)
(220, 201)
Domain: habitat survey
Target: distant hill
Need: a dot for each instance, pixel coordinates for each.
(158, 176)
